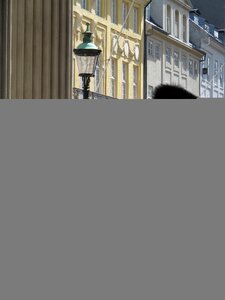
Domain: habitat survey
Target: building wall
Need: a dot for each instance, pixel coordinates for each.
(4, 49)
(212, 83)
(128, 50)
(183, 68)
(39, 49)
(160, 71)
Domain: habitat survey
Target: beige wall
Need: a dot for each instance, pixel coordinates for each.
(40, 49)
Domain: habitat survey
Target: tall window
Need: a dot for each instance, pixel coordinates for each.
(113, 78)
(135, 78)
(184, 63)
(150, 92)
(168, 19)
(135, 19)
(150, 49)
(114, 11)
(168, 55)
(184, 28)
(124, 14)
(196, 68)
(177, 24)
(148, 12)
(176, 57)
(221, 75)
(208, 68)
(73, 71)
(98, 8)
(97, 79)
(124, 81)
(157, 51)
(216, 73)
(84, 4)
(191, 67)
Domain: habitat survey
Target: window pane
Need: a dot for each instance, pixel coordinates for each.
(98, 7)
(114, 16)
(124, 15)
(135, 20)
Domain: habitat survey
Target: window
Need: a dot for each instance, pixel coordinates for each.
(176, 33)
(191, 67)
(113, 78)
(124, 81)
(98, 8)
(196, 19)
(150, 49)
(221, 75)
(157, 51)
(207, 27)
(84, 4)
(148, 12)
(208, 67)
(176, 57)
(168, 19)
(185, 29)
(97, 79)
(184, 63)
(135, 19)
(73, 71)
(168, 55)
(135, 78)
(196, 68)
(114, 11)
(150, 92)
(216, 73)
(124, 14)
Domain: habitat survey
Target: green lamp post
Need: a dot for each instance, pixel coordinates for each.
(87, 55)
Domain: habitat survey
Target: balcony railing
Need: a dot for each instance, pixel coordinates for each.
(78, 94)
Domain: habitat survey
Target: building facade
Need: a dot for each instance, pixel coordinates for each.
(207, 38)
(118, 28)
(35, 49)
(171, 58)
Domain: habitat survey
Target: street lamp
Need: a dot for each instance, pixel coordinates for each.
(87, 55)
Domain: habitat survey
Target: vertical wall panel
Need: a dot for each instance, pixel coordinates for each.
(13, 66)
(40, 52)
(28, 66)
(46, 62)
(62, 49)
(55, 49)
(20, 48)
(69, 46)
(37, 50)
(1, 47)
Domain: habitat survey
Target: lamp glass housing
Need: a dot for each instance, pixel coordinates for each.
(87, 61)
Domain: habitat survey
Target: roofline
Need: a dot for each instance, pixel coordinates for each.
(181, 43)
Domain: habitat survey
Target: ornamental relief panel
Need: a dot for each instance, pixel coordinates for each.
(125, 48)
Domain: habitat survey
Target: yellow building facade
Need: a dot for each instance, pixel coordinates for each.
(118, 30)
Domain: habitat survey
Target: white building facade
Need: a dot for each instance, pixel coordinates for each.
(171, 58)
(212, 75)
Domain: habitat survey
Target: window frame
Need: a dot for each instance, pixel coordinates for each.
(136, 19)
(125, 13)
(114, 12)
(135, 82)
(168, 18)
(124, 79)
(113, 77)
(177, 24)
